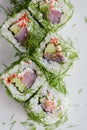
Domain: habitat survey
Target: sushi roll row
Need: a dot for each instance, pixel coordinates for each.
(24, 31)
(43, 104)
(51, 51)
(32, 31)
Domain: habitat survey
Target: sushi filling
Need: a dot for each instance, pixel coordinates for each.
(48, 104)
(19, 28)
(52, 51)
(53, 15)
(22, 81)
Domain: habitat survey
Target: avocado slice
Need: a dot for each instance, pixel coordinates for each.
(20, 86)
(50, 49)
(15, 28)
(44, 8)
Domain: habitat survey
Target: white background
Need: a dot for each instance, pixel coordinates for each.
(77, 81)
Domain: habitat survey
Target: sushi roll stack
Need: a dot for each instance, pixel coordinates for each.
(44, 55)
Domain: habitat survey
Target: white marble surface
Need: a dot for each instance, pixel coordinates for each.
(77, 80)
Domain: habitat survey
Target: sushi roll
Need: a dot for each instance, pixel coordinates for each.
(22, 30)
(22, 79)
(48, 107)
(51, 14)
(56, 54)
